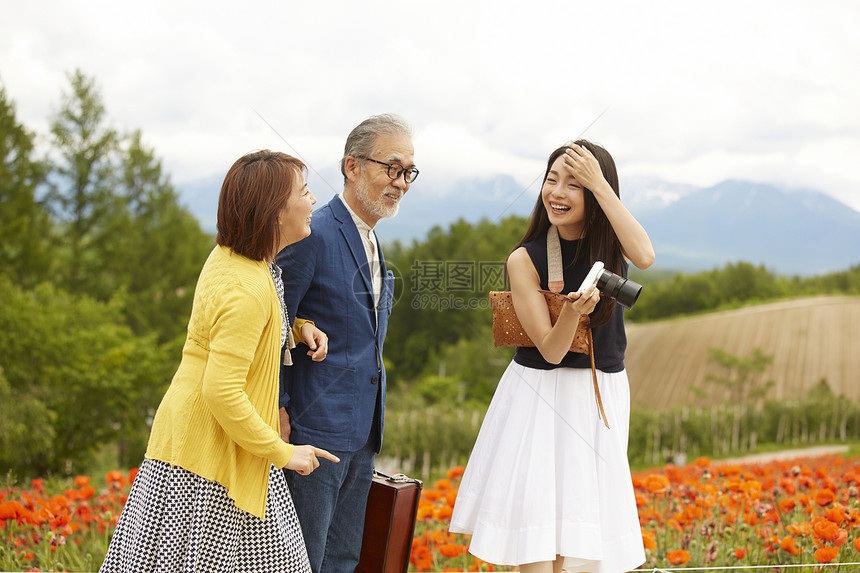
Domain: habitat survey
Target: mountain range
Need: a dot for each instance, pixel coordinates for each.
(789, 231)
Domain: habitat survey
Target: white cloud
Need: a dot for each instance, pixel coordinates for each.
(693, 92)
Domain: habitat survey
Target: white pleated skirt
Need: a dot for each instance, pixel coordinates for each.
(547, 478)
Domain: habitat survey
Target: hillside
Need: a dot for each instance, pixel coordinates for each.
(790, 231)
(810, 339)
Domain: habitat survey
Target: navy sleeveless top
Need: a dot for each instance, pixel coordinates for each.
(610, 340)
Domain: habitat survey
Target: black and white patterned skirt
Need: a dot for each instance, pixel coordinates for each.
(177, 521)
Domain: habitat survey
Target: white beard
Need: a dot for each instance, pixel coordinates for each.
(377, 208)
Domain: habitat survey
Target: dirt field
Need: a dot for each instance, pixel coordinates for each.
(810, 339)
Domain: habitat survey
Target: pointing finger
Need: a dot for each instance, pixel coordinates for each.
(324, 454)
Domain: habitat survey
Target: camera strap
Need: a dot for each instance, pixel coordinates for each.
(555, 282)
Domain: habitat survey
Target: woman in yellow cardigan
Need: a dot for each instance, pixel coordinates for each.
(210, 494)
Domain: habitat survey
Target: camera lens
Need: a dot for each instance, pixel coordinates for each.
(622, 290)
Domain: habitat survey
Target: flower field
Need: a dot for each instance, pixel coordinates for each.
(803, 511)
(67, 530)
(795, 512)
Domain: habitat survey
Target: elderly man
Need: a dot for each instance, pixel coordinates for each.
(337, 277)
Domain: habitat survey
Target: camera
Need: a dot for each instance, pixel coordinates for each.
(622, 290)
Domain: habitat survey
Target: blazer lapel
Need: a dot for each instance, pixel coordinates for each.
(353, 240)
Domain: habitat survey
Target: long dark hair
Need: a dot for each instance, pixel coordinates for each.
(603, 243)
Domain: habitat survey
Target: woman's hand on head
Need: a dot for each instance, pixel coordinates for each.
(317, 341)
(582, 164)
(304, 460)
(584, 302)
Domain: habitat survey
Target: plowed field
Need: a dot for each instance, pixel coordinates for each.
(810, 339)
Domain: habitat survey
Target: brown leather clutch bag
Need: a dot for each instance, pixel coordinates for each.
(507, 330)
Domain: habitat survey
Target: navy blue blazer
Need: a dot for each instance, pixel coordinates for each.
(333, 404)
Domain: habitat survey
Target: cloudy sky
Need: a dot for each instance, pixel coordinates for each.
(690, 92)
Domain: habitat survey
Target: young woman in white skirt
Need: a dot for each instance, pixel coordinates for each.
(210, 494)
(548, 485)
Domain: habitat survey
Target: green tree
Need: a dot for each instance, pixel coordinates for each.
(741, 377)
(78, 376)
(443, 296)
(81, 192)
(24, 222)
(159, 247)
(26, 429)
(122, 227)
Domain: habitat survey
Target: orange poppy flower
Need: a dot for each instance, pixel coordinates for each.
(826, 554)
(455, 472)
(787, 505)
(857, 544)
(677, 557)
(825, 529)
(836, 514)
(731, 470)
(442, 484)
(451, 550)
(649, 541)
(824, 497)
(425, 510)
(115, 478)
(740, 552)
(81, 481)
(787, 545)
(788, 485)
(802, 529)
(12, 510)
(656, 483)
(481, 565)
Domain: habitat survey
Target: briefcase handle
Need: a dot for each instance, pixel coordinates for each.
(395, 478)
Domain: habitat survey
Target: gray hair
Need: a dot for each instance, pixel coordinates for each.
(361, 140)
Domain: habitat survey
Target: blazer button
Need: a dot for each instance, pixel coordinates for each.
(374, 380)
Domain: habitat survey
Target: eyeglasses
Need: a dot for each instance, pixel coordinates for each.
(395, 170)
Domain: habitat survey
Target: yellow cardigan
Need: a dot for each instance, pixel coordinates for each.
(219, 417)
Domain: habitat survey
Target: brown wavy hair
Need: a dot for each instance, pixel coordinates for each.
(255, 190)
(603, 243)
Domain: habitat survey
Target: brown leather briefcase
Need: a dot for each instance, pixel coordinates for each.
(389, 524)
